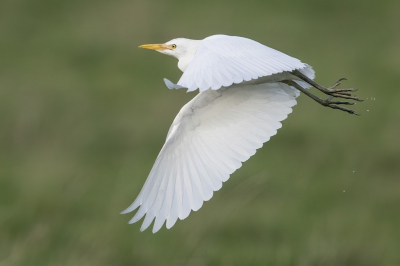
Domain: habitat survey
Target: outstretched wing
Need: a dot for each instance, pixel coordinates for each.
(222, 60)
(209, 139)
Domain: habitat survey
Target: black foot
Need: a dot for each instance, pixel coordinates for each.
(330, 91)
(336, 105)
(340, 93)
(332, 94)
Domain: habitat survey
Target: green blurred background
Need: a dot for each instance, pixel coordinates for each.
(84, 113)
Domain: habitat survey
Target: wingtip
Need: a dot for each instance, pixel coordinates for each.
(131, 208)
(170, 222)
(170, 85)
(127, 210)
(157, 227)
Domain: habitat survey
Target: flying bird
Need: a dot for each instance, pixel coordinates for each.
(245, 90)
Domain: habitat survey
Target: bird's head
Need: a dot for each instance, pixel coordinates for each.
(177, 48)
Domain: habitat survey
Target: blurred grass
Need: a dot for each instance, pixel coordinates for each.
(83, 114)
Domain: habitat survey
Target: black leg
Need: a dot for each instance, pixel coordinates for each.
(331, 91)
(327, 102)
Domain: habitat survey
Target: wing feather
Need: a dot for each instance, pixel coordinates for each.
(215, 170)
(187, 199)
(176, 207)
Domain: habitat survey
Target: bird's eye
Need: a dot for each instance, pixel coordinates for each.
(173, 46)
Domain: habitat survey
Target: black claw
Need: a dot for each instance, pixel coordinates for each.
(327, 101)
(342, 93)
(345, 90)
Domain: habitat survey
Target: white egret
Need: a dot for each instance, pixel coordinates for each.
(246, 89)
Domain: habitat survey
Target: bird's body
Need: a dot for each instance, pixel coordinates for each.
(246, 89)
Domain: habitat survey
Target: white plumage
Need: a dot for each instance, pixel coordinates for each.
(223, 60)
(239, 107)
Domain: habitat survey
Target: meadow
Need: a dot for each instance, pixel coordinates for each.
(84, 113)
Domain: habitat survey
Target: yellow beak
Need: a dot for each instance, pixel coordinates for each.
(156, 46)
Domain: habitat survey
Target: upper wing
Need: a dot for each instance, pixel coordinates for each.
(222, 60)
(209, 139)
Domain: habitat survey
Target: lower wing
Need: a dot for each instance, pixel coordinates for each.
(209, 139)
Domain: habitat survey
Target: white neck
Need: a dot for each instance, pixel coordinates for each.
(187, 57)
